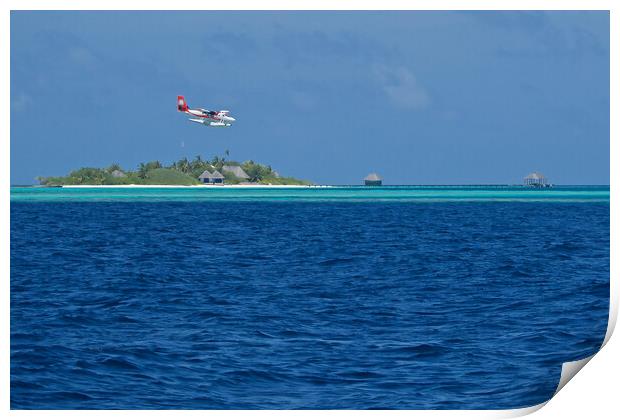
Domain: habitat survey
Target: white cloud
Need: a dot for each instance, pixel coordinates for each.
(401, 87)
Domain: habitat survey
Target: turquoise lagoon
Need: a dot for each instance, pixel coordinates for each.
(318, 193)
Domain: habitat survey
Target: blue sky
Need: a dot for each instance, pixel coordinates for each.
(419, 97)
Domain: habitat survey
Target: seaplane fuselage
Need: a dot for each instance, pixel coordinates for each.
(204, 116)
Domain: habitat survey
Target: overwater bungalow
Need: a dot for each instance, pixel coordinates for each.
(373, 180)
(536, 179)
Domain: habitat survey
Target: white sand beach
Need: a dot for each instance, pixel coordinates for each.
(199, 186)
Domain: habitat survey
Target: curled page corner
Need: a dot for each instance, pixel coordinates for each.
(614, 297)
(569, 370)
(520, 412)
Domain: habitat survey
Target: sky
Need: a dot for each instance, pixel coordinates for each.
(419, 97)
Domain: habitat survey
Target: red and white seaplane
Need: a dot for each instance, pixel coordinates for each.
(204, 116)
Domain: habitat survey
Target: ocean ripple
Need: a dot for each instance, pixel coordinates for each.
(271, 305)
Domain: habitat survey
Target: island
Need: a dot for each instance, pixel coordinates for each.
(184, 172)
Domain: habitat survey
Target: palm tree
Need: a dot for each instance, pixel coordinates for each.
(196, 163)
(114, 167)
(183, 165)
(142, 170)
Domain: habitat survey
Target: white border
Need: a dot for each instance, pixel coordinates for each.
(596, 384)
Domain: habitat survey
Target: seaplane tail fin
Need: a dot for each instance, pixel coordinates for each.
(181, 104)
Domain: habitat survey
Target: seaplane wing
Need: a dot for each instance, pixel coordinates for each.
(204, 116)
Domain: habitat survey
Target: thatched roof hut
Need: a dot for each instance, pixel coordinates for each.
(236, 170)
(217, 177)
(205, 177)
(535, 179)
(373, 179)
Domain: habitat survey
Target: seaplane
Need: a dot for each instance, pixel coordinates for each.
(204, 116)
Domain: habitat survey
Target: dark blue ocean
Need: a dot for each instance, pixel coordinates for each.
(292, 303)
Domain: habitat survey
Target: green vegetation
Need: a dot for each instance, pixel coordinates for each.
(165, 176)
(181, 172)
